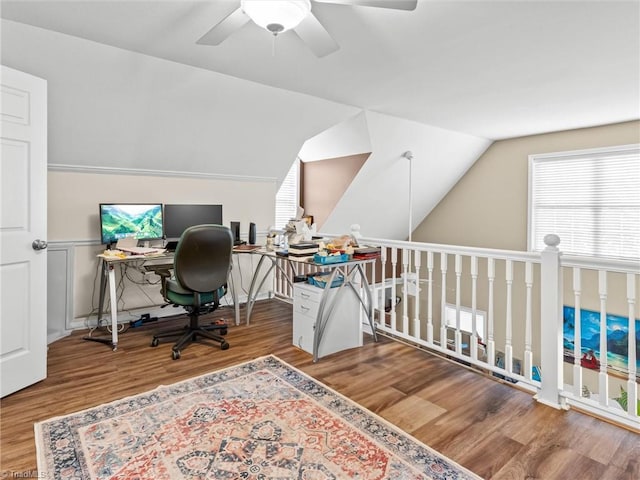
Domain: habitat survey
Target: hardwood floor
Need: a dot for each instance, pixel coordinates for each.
(489, 427)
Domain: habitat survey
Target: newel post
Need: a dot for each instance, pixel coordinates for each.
(551, 325)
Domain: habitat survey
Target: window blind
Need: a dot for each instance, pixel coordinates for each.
(287, 197)
(590, 199)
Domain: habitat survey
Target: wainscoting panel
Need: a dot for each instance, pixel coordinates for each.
(60, 267)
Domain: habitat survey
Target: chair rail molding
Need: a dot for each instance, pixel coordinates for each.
(57, 167)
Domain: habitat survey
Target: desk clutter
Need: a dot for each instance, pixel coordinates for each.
(142, 252)
(330, 251)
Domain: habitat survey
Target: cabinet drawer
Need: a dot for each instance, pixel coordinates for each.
(306, 308)
(305, 292)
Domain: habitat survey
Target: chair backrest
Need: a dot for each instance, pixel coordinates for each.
(203, 257)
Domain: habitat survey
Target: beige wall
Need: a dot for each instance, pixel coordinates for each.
(488, 206)
(324, 183)
(73, 199)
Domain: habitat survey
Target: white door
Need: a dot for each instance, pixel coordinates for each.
(23, 230)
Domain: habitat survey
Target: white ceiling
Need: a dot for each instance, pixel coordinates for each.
(494, 69)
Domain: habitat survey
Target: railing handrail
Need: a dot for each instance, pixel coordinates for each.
(609, 264)
(453, 249)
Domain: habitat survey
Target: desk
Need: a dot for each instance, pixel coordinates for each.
(159, 261)
(354, 280)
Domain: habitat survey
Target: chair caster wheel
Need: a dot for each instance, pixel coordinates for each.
(175, 354)
(155, 342)
(224, 346)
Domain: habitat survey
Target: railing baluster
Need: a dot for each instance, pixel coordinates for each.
(603, 386)
(383, 264)
(491, 344)
(416, 311)
(443, 301)
(577, 337)
(405, 285)
(394, 262)
(508, 348)
(528, 355)
(632, 386)
(458, 333)
(430, 298)
(474, 307)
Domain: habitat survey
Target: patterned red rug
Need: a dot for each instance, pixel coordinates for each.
(259, 420)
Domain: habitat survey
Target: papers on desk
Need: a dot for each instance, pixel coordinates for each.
(120, 254)
(141, 250)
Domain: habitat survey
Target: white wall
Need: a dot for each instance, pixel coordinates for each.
(350, 137)
(378, 198)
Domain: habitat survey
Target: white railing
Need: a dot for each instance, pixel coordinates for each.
(506, 313)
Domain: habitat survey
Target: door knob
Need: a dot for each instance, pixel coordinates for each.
(39, 245)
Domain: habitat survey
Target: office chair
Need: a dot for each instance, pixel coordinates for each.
(201, 264)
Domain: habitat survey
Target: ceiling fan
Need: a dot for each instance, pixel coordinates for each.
(277, 16)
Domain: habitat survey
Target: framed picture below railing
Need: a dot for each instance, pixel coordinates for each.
(617, 340)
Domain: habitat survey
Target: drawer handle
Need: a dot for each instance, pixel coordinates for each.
(302, 307)
(304, 295)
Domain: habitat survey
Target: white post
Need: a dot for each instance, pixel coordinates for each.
(430, 298)
(394, 262)
(458, 333)
(443, 301)
(405, 290)
(508, 347)
(551, 325)
(409, 156)
(416, 309)
(528, 355)
(491, 344)
(603, 380)
(474, 320)
(577, 338)
(632, 387)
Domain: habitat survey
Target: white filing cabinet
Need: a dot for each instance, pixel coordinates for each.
(343, 329)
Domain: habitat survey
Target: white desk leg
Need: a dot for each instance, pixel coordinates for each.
(114, 308)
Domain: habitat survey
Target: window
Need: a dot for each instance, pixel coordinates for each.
(590, 199)
(287, 197)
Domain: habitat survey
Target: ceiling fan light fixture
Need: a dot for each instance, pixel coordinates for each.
(276, 16)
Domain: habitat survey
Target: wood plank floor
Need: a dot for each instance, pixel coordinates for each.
(489, 427)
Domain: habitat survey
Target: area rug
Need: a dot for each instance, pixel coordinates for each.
(259, 420)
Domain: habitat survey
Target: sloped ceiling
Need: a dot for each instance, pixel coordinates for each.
(114, 108)
(488, 68)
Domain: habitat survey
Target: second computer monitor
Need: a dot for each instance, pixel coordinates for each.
(179, 217)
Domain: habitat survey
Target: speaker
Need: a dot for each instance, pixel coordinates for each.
(252, 233)
(235, 231)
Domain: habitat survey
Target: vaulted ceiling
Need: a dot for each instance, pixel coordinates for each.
(492, 69)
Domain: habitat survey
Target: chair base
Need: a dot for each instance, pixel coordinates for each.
(190, 334)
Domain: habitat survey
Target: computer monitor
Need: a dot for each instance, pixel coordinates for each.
(142, 221)
(179, 217)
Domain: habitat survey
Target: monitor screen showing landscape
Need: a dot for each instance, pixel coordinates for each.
(179, 217)
(142, 221)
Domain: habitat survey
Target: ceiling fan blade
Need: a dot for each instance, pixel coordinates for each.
(224, 28)
(395, 4)
(316, 36)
